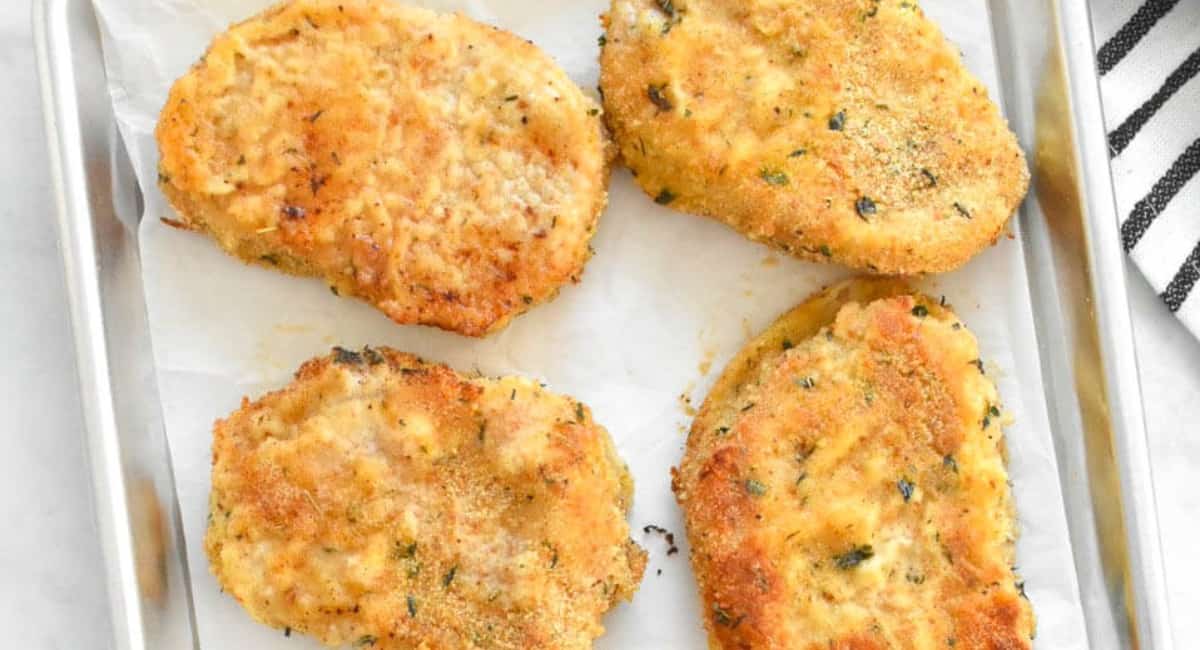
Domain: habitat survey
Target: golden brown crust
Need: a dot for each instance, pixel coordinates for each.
(844, 484)
(835, 130)
(393, 503)
(445, 171)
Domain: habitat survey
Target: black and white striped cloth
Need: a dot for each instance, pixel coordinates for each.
(1149, 60)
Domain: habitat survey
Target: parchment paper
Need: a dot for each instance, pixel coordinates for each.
(666, 301)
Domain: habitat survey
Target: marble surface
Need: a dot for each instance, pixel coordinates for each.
(52, 591)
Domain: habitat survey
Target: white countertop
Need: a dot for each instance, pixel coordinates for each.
(52, 592)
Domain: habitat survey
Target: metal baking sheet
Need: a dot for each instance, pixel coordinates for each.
(1043, 51)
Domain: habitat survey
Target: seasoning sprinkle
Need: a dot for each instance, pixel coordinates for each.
(854, 557)
(658, 98)
(664, 197)
(864, 207)
(906, 488)
(920, 311)
(294, 212)
(773, 176)
(724, 618)
(838, 121)
(755, 487)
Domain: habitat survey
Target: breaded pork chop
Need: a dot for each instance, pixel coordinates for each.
(844, 485)
(835, 130)
(386, 502)
(445, 171)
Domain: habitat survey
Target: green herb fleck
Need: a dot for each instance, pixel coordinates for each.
(865, 207)
(412, 606)
(528, 300)
(949, 463)
(294, 212)
(593, 112)
(664, 197)
(906, 488)
(724, 618)
(920, 311)
(993, 411)
(755, 487)
(673, 17)
(658, 97)
(602, 40)
(365, 640)
(854, 557)
(404, 551)
(807, 383)
(838, 121)
(978, 363)
(449, 577)
(788, 345)
(510, 98)
(773, 176)
(962, 210)
(825, 251)
(579, 411)
(797, 153)
(930, 179)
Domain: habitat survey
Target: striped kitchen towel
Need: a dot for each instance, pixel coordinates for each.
(1149, 60)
